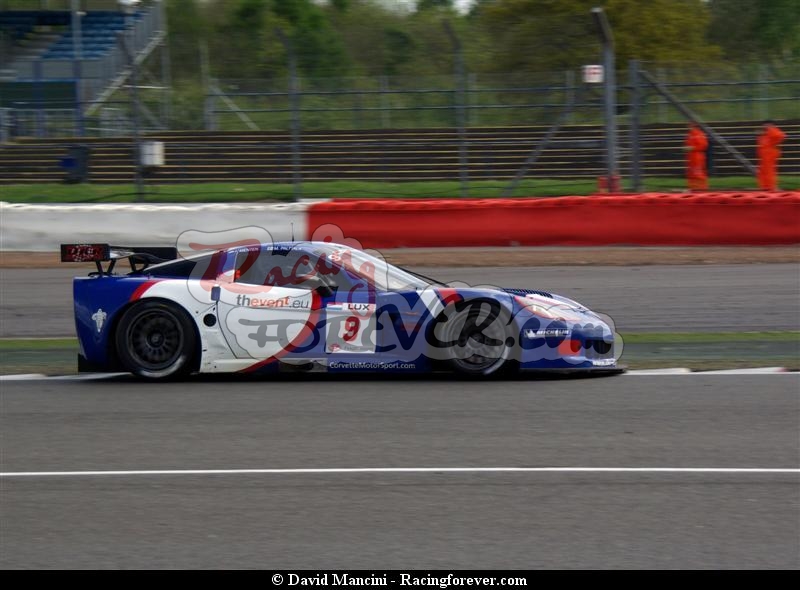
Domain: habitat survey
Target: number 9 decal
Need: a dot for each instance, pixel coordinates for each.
(351, 328)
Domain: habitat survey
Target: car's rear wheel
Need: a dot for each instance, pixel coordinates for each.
(156, 340)
(480, 348)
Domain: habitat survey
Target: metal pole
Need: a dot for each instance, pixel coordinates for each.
(663, 116)
(77, 56)
(609, 93)
(166, 72)
(569, 94)
(532, 158)
(686, 112)
(463, 158)
(386, 115)
(473, 99)
(39, 98)
(636, 145)
(5, 125)
(297, 175)
(134, 105)
(209, 103)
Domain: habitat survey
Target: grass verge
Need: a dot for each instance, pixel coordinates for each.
(696, 351)
(239, 192)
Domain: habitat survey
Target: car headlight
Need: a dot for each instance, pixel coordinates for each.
(537, 308)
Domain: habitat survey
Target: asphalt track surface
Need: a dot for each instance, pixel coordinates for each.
(697, 298)
(402, 520)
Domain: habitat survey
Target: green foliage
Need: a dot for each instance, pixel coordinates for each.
(375, 45)
(337, 38)
(668, 31)
(434, 4)
(187, 27)
(319, 49)
(541, 35)
(756, 29)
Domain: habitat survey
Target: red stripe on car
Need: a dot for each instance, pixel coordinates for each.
(448, 296)
(308, 329)
(141, 290)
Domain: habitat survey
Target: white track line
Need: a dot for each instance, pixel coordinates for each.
(756, 371)
(335, 470)
(24, 377)
(675, 371)
(42, 377)
(744, 371)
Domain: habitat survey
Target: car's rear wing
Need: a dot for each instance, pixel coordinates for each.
(98, 253)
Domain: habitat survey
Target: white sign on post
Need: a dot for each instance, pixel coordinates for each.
(593, 74)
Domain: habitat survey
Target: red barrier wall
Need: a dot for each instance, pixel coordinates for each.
(649, 219)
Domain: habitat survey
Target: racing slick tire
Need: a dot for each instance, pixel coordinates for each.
(156, 340)
(480, 352)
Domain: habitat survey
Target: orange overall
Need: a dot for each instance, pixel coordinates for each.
(696, 146)
(768, 154)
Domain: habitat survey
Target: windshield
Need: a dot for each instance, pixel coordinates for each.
(384, 276)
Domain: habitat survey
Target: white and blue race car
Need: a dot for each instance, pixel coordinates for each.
(316, 306)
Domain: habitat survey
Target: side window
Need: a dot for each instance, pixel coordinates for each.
(281, 269)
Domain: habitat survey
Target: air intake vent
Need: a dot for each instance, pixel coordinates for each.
(524, 292)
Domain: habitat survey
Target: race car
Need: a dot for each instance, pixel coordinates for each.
(316, 306)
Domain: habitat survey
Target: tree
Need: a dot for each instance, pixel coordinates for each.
(187, 26)
(543, 35)
(378, 40)
(434, 4)
(243, 45)
(319, 49)
(667, 31)
(756, 29)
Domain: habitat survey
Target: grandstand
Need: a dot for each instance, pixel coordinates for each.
(45, 65)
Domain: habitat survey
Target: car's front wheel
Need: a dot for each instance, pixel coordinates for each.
(156, 340)
(479, 348)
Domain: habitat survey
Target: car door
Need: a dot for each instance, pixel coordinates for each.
(270, 306)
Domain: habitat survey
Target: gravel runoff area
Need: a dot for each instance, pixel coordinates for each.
(529, 256)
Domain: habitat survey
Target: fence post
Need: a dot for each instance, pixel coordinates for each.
(133, 81)
(5, 125)
(166, 78)
(636, 146)
(386, 113)
(569, 93)
(77, 57)
(297, 174)
(763, 87)
(458, 56)
(472, 113)
(209, 100)
(609, 92)
(39, 98)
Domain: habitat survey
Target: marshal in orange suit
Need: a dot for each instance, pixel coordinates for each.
(768, 153)
(696, 145)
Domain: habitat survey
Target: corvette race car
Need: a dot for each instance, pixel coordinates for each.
(315, 306)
